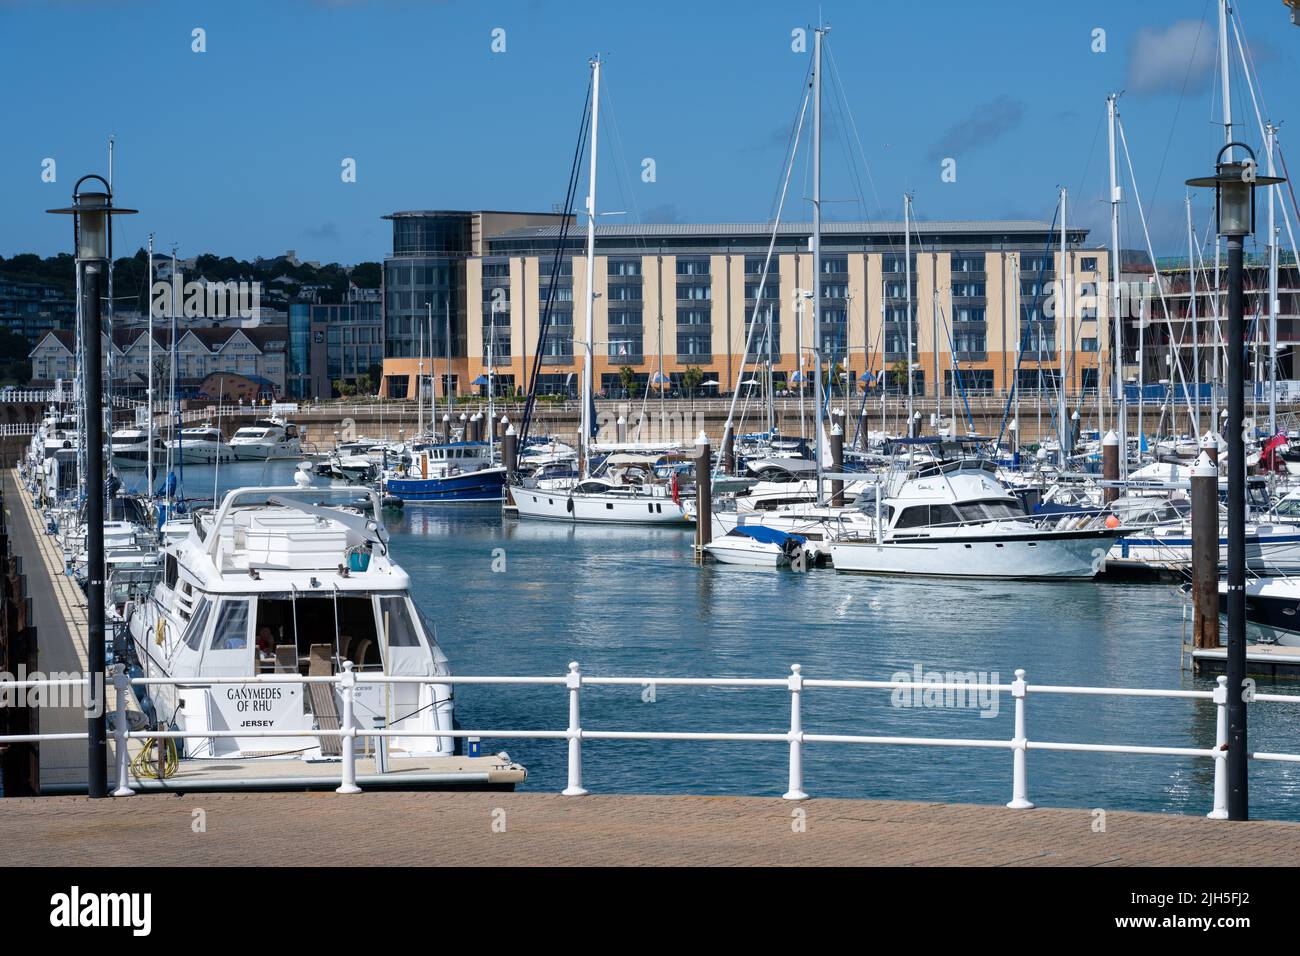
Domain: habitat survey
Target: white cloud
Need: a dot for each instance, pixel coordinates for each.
(1162, 60)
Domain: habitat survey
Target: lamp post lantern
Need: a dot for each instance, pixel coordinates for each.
(92, 233)
(1234, 189)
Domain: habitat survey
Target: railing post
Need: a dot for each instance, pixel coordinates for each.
(348, 682)
(1220, 811)
(121, 683)
(795, 683)
(1019, 773)
(573, 681)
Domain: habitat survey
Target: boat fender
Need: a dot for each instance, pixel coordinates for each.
(568, 505)
(160, 632)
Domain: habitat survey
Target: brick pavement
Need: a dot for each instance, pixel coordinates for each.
(545, 829)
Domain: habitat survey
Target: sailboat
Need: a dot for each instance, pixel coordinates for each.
(622, 490)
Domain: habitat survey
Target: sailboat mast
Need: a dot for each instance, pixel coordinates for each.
(1196, 334)
(148, 318)
(589, 330)
(907, 286)
(816, 241)
(1117, 336)
(1062, 319)
(1272, 288)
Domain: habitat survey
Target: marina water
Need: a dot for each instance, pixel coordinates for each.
(628, 601)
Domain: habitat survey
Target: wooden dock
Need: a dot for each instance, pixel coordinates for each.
(534, 829)
(1262, 660)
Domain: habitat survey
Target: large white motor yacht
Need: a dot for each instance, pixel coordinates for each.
(266, 438)
(272, 584)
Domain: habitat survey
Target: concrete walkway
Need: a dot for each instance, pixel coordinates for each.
(465, 829)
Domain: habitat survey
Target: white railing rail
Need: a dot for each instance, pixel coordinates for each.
(575, 733)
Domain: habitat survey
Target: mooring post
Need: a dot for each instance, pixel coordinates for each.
(837, 464)
(1205, 553)
(348, 684)
(502, 426)
(703, 492)
(1019, 771)
(621, 429)
(510, 450)
(446, 429)
(573, 681)
(727, 464)
(1110, 466)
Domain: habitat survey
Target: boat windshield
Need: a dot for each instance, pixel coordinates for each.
(1288, 507)
(989, 511)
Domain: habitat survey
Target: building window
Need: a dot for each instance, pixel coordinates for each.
(1088, 264)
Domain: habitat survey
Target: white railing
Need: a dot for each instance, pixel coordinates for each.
(17, 428)
(795, 684)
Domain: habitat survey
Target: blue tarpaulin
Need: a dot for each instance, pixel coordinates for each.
(768, 535)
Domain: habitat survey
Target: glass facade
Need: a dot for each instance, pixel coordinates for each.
(426, 273)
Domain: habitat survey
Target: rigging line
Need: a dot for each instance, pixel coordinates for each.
(835, 73)
(1028, 326)
(767, 263)
(791, 139)
(1160, 287)
(839, 98)
(561, 241)
(1259, 120)
(1182, 94)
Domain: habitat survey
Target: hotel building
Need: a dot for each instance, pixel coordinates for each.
(683, 297)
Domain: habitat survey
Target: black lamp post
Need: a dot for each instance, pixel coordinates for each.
(92, 238)
(1234, 188)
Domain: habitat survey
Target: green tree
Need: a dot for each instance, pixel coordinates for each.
(692, 377)
(627, 376)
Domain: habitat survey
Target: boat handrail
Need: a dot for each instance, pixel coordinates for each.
(234, 496)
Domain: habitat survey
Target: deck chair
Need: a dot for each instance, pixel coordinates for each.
(320, 663)
(286, 658)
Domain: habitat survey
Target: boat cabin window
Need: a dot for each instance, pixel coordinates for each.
(198, 621)
(395, 617)
(921, 516)
(288, 627)
(1288, 506)
(231, 630)
(171, 569)
(989, 510)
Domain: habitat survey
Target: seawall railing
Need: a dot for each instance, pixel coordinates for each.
(795, 684)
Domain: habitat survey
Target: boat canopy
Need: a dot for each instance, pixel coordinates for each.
(768, 535)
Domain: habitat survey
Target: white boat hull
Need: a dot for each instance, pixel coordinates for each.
(597, 508)
(1067, 554)
(267, 452)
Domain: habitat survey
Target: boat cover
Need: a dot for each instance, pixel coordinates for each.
(768, 535)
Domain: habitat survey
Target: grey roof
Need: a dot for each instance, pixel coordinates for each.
(750, 229)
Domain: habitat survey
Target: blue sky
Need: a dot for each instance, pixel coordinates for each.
(238, 150)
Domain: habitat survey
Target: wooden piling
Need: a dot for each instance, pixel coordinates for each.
(837, 463)
(1110, 465)
(728, 462)
(703, 493)
(1205, 553)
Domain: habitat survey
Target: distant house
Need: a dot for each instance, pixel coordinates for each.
(259, 354)
(230, 387)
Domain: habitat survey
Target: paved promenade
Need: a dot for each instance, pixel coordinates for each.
(519, 829)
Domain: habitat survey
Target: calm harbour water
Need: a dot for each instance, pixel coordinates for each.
(630, 602)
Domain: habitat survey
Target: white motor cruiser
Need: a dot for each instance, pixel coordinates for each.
(272, 584)
(266, 438)
(201, 445)
(129, 447)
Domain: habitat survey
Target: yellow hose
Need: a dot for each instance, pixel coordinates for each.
(145, 766)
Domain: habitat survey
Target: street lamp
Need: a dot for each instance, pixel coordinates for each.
(92, 237)
(1234, 190)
